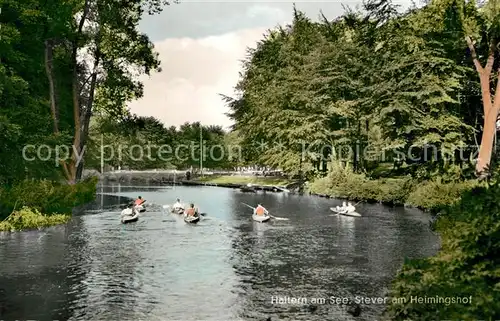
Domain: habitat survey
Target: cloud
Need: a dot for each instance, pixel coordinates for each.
(202, 52)
(194, 73)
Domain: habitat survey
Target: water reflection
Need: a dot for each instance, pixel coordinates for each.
(35, 268)
(227, 267)
(111, 288)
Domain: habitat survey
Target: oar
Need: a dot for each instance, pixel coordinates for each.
(274, 217)
(248, 206)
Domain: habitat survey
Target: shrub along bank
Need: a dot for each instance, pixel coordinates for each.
(36, 204)
(27, 218)
(464, 277)
(461, 282)
(341, 182)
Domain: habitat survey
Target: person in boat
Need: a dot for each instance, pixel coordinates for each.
(139, 201)
(342, 208)
(260, 210)
(191, 211)
(350, 208)
(178, 205)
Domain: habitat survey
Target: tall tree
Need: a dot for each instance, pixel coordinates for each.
(482, 33)
(106, 33)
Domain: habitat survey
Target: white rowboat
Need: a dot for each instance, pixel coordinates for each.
(128, 216)
(261, 218)
(354, 214)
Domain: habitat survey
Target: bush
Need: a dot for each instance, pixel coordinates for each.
(27, 218)
(435, 194)
(341, 182)
(46, 196)
(468, 264)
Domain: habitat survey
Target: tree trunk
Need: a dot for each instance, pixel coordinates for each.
(70, 169)
(49, 69)
(72, 166)
(487, 140)
(88, 111)
(490, 108)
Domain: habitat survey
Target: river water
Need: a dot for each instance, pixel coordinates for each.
(225, 268)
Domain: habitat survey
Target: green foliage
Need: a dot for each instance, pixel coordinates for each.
(27, 218)
(342, 182)
(24, 107)
(374, 79)
(162, 147)
(47, 196)
(52, 70)
(435, 194)
(466, 266)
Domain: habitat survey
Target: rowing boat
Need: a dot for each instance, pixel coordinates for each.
(192, 219)
(261, 218)
(128, 216)
(354, 214)
(177, 210)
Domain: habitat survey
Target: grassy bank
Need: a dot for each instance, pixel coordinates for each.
(243, 180)
(431, 194)
(37, 204)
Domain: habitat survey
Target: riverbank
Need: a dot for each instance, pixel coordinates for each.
(464, 273)
(240, 180)
(28, 219)
(401, 191)
(43, 203)
(404, 191)
(173, 177)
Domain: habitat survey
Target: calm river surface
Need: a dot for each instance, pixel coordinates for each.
(225, 268)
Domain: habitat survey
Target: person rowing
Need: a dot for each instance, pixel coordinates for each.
(133, 210)
(342, 208)
(191, 211)
(350, 208)
(139, 201)
(178, 205)
(260, 210)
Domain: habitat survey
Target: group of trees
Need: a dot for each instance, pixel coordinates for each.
(145, 143)
(396, 84)
(381, 83)
(60, 61)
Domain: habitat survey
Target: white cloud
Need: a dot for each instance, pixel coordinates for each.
(194, 73)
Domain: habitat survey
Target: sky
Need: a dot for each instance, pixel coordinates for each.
(201, 45)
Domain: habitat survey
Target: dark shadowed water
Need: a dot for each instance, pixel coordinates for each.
(225, 268)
